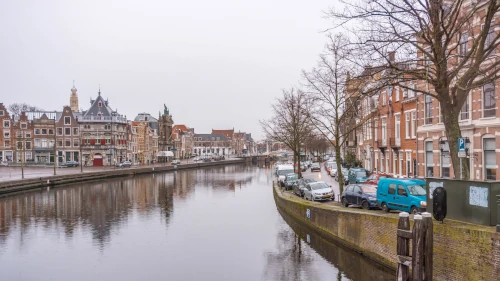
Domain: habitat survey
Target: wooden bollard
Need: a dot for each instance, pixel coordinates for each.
(417, 249)
(403, 247)
(428, 246)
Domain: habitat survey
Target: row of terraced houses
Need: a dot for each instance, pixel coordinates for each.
(101, 136)
(403, 133)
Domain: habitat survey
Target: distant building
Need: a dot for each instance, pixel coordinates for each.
(104, 134)
(73, 100)
(182, 138)
(165, 123)
(208, 145)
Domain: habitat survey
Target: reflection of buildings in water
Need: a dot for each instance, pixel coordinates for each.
(352, 265)
(103, 207)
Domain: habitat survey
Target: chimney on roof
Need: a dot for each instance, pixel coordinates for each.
(392, 56)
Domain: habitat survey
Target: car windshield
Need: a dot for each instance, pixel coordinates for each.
(369, 189)
(319, 185)
(361, 174)
(308, 180)
(292, 177)
(315, 165)
(284, 172)
(417, 190)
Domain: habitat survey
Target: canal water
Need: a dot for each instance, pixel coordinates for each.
(215, 224)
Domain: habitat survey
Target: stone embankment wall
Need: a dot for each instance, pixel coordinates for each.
(461, 251)
(33, 183)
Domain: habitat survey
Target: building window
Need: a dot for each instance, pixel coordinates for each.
(384, 99)
(407, 124)
(462, 48)
(59, 142)
(408, 163)
(24, 125)
(428, 109)
(6, 123)
(490, 40)
(384, 131)
(490, 159)
(59, 131)
(489, 107)
(397, 125)
(28, 156)
(51, 131)
(413, 124)
(376, 129)
(67, 142)
(27, 135)
(19, 134)
(7, 143)
(108, 141)
(445, 161)
(6, 133)
(429, 164)
(99, 104)
(1, 112)
(37, 142)
(76, 143)
(44, 131)
(37, 131)
(464, 112)
(382, 162)
(67, 131)
(76, 131)
(28, 145)
(67, 120)
(397, 93)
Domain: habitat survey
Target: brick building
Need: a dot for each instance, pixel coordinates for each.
(22, 138)
(208, 145)
(6, 144)
(182, 138)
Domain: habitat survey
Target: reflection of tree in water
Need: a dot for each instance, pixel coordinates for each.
(292, 261)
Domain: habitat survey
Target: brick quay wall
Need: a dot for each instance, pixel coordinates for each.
(7, 187)
(461, 251)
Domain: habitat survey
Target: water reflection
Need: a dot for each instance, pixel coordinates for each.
(351, 265)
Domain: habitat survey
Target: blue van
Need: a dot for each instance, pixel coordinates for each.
(357, 175)
(407, 195)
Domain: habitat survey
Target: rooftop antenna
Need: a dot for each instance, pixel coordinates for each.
(99, 89)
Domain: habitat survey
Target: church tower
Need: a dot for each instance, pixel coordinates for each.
(73, 100)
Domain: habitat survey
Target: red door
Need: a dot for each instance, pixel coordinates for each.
(97, 160)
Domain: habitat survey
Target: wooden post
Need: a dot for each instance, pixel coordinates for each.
(428, 246)
(498, 213)
(418, 249)
(403, 247)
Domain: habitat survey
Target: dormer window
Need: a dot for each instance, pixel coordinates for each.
(99, 104)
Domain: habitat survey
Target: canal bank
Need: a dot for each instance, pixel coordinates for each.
(34, 183)
(461, 251)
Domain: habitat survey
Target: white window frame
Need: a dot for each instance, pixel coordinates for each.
(376, 129)
(484, 156)
(384, 130)
(397, 93)
(413, 124)
(6, 122)
(408, 161)
(67, 118)
(6, 132)
(395, 162)
(468, 113)
(397, 127)
(407, 124)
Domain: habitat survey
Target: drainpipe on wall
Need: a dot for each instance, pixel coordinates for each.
(415, 173)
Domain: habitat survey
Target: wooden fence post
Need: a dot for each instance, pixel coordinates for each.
(418, 249)
(428, 246)
(403, 247)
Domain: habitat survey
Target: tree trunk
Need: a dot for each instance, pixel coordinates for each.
(339, 165)
(453, 133)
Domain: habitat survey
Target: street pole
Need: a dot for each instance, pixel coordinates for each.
(460, 168)
(55, 146)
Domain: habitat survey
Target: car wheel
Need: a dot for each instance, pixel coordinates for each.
(385, 208)
(365, 205)
(344, 202)
(414, 210)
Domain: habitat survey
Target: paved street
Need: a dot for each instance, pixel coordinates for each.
(323, 176)
(15, 173)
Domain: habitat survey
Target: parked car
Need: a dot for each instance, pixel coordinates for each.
(289, 180)
(300, 185)
(4, 164)
(375, 177)
(345, 173)
(124, 164)
(196, 159)
(315, 167)
(364, 195)
(176, 162)
(357, 175)
(69, 164)
(333, 170)
(282, 172)
(303, 167)
(329, 166)
(407, 195)
(318, 191)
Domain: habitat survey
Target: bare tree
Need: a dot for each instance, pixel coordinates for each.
(17, 108)
(290, 123)
(335, 112)
(448, 45)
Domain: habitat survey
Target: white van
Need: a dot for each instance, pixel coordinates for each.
(282, 171)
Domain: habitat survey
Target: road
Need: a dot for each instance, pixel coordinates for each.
(15, 173)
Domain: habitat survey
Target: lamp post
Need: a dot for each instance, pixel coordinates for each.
(55, 145)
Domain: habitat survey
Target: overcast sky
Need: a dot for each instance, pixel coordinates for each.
(215, 64)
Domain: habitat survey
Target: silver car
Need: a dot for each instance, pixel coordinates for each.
(318, 191)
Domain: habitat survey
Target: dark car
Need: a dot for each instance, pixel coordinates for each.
(315, 167)
(374, 178)
(290, 179)
(364, 195)
(300, 185)
(69, 164)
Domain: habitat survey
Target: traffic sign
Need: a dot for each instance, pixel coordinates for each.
(462, 154)
(461, 145)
